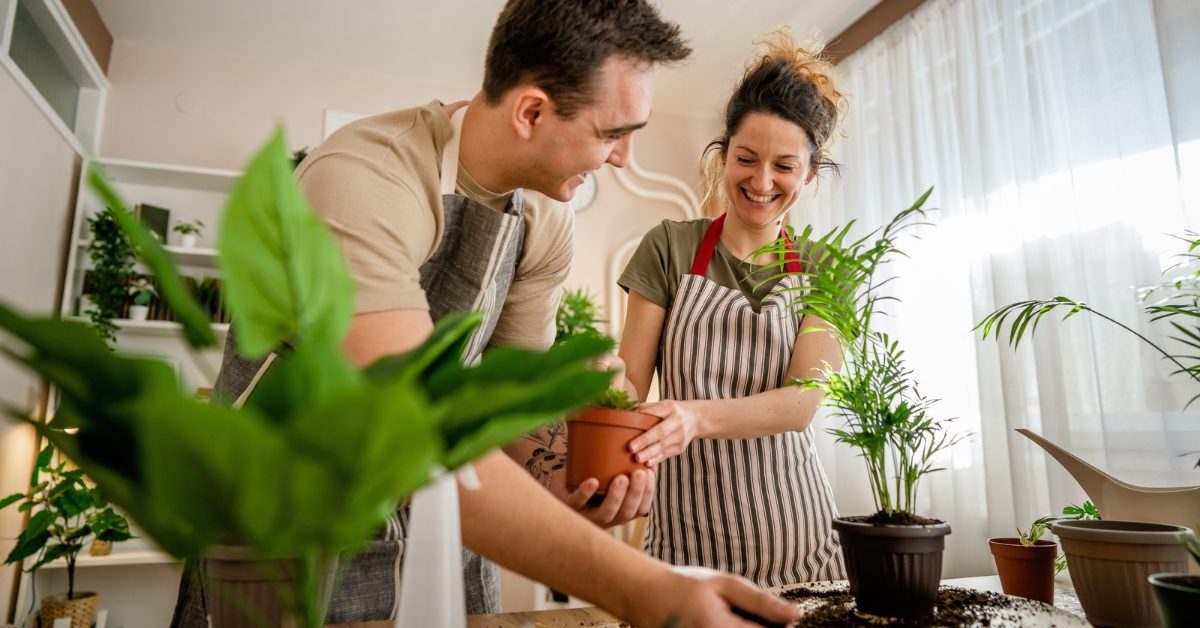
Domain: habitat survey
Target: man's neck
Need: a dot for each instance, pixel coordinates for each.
(481, 151)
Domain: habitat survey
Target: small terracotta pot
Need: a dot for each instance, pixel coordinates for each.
(1178, 597)
(894, 570)
(1025, 570)
(1110, 563)
(598, 444)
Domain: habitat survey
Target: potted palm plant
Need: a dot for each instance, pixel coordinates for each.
(316, 436)
(66, 512)
(893, 557)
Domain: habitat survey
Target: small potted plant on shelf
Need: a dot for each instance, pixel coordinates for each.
(65, 512)
(189, 232)
(893, 557)
(1027, 563)
(141, 293)
(316, 436)
(105, 283)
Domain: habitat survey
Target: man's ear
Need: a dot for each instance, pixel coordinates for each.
(530, 106)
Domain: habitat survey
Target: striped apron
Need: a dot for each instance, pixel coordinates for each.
(472, 269)
(758, 507)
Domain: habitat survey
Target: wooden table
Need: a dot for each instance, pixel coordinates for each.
(591, 617)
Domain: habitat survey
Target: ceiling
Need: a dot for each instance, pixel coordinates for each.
(444, 41)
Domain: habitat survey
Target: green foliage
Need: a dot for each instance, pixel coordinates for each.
(112, 261)
(617, 399)
(142, 290)
(195, 226)
(1191, 543)
(316, 436)
(66, 512)
(1177, 301)
(886, 417)
(576, 315)
(1070, 512)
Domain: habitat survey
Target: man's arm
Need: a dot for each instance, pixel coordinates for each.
(516, 524)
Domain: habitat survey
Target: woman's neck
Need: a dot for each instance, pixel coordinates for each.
(742, 241)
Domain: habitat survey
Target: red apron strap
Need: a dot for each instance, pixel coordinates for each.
(707, 246)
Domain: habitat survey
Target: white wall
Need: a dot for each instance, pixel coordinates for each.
(37, 174)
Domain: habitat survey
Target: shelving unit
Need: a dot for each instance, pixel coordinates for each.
(137, 582)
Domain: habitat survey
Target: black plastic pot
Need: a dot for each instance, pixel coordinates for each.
(893, 570)
(1178, 597)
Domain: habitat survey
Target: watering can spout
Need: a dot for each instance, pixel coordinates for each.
(1119, 500)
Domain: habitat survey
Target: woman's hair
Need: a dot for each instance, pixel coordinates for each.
(784, 80)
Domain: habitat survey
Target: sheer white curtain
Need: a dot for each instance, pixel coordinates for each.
(1063, 138)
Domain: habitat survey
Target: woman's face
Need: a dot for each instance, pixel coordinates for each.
(766, 165)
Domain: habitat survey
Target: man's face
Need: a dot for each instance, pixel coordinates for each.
(597, 134)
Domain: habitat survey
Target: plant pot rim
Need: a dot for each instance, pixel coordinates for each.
(1164, 580)
(892, 529)
(1134, 532)
(1013, 540)
(618, 418)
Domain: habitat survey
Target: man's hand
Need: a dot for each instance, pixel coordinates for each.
(708, 599)
(629, 497)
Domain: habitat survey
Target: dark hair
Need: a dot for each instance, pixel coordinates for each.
(786, 81)
(560, 45)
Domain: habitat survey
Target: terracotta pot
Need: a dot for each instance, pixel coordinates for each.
(81, 609)
(893, 570)
(1110, 563)
(1178, 597)
(598, 444)
(1025, 570)
(243, 589)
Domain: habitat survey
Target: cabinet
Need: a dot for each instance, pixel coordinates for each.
(138, 583)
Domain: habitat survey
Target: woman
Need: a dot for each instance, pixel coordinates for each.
(740, 487)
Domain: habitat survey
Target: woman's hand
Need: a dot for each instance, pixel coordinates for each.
(612, 363)
(681, 423)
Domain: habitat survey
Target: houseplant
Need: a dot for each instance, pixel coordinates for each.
(577, 315)
(317, 436)
(112, 260)
(189, 232)
(66, 511)
(893, 558)
(141, 293)
(1027, 563)
(1178, 594)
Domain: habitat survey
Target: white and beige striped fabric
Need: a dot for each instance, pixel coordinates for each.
(758, 507)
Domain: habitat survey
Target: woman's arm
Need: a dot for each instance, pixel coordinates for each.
(639, 343)
(786, 409)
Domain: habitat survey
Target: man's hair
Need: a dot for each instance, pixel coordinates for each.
(560, 46)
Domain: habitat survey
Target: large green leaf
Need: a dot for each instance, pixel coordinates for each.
(196, 325)
(284, 274)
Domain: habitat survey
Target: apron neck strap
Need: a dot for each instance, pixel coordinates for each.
(450, 152)
(709, 244)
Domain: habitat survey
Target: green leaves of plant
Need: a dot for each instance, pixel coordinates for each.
(284, 275)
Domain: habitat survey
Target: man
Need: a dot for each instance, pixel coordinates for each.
(445, 208)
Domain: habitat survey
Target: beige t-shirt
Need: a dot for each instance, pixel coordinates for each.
(376, 182)
(666, 254)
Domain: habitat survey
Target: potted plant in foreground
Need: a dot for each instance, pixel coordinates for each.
(65, 513)
(1028, 563)
(189, 232)
(893, 558)
(314, 460)
(598, 435)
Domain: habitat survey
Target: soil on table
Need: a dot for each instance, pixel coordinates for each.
(955, 607)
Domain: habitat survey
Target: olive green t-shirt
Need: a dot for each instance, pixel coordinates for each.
(666, 255)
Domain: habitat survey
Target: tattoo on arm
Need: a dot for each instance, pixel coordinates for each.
(549, 455)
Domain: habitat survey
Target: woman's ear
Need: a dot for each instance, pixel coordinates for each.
(530, 105)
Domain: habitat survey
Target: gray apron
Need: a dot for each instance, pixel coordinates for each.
(472, 269)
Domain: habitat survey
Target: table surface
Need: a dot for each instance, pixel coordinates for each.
(591, 617)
